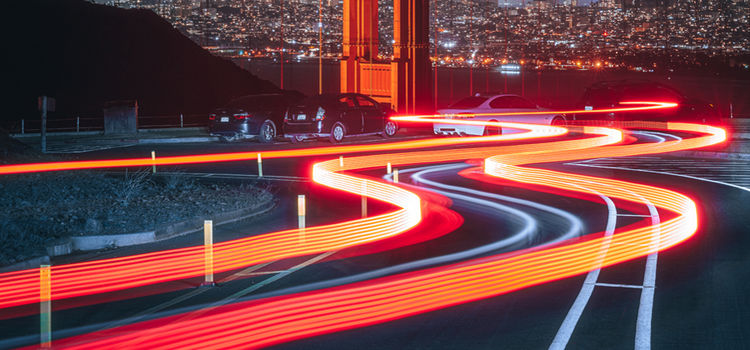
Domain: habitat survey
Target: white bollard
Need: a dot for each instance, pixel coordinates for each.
(208, 252)
(395, 175)
(388, 168)
(341, 161)
(364, 199)
(45, 305)
(153, 160)
(260, 166)
(301, 212)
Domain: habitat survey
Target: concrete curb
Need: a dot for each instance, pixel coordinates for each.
(88, 243)
(180, 140)
(26, 265)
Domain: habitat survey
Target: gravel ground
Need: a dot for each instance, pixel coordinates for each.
(36, 208)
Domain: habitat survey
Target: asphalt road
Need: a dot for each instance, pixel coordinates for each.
(699, 293)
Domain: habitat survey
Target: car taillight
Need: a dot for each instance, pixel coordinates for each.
(240, 116)
(321, 114)
(212, 116)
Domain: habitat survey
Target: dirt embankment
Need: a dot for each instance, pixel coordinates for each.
(36, 208)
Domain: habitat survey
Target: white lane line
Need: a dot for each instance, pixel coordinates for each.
(618, 285)
(192, 293)
(663, 173)
(246, 272)
(157, 308)
(645, 310)
(574, 314)
(260, 273)
(636, 215)
(255, 287)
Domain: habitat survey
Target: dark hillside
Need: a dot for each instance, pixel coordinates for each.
(84, 54)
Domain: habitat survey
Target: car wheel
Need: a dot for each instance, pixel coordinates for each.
(389, 129)
(492, 130)
(227, 139)
(337, 133)
(267, 132)
(297, 138)
(558, 121)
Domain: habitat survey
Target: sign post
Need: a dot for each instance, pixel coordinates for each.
(45, 104)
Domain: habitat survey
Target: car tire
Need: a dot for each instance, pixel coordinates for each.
(389, 129)
(338, 132)
(491, 130)
(297, 139)
(558, 121)
(267, 132)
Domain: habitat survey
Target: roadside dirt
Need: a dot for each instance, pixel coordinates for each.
(36, 208)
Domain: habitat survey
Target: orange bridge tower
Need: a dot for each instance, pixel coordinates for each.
(405, 82)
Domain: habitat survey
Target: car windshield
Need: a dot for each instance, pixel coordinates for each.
(247, 102)
(468, 102)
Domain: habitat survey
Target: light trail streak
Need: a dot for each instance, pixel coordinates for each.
(533, 131)
(645, 106)
(576, 226)
(79, 279)
(262, 323)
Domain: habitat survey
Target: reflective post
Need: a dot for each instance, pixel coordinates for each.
(260, 166)
(364, 199)
(341, 161)
(301, 217)
(208, 252)
(388, 168)
(395, 175)
(78, 124)
(153, 160)
(181, 120)
(45, 306)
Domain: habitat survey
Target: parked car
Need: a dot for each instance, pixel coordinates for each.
(337, 116)
(247, 117)
(494, 107)
(611, 95)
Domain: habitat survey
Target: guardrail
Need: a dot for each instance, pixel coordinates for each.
(78, 124)
(738, 123)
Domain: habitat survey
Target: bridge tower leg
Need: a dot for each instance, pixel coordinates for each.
(405, 83)
(360, 36)
(411, 79)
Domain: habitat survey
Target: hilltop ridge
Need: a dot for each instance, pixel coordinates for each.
(84, 54)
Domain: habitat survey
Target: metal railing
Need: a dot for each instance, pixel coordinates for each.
(78, 124)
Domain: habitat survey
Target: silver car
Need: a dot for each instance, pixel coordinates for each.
(495, 107)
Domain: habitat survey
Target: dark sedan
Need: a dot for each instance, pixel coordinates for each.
(337, 116)
(248, 117)
(612, 94)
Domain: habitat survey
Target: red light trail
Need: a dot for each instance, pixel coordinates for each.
(79, 279)
(262, 323)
